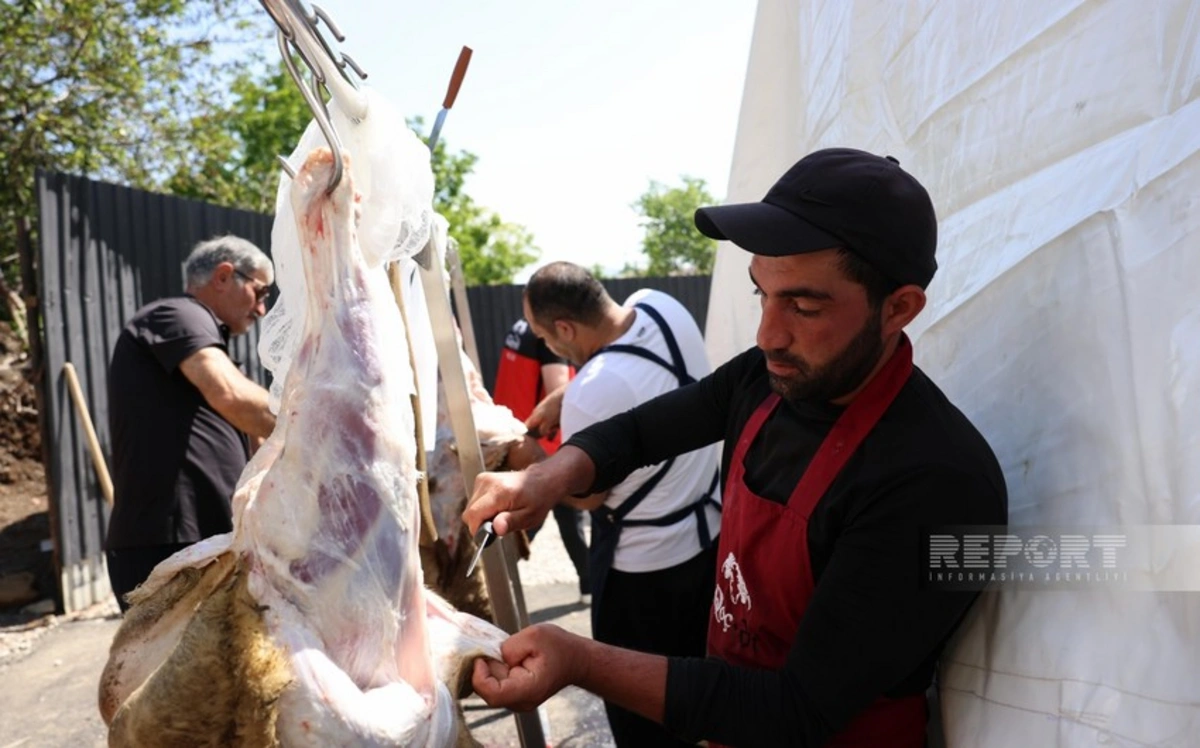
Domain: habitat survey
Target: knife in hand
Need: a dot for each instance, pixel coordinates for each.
(483, 538)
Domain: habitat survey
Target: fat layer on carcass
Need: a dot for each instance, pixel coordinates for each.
(324, 553)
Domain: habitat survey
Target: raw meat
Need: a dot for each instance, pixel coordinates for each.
(309, 624)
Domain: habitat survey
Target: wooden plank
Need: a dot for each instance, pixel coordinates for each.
(99, 462)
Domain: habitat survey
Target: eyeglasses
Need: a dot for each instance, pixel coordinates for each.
(260, 291)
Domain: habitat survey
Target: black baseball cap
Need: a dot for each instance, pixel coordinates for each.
(838, 197)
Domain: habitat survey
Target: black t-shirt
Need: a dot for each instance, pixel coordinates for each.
(870, 630)
(175, 460)
(524, 342)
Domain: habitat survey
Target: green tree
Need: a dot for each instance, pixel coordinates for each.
(236, 147)
(107, 89)
(492, 250)
(672, 244)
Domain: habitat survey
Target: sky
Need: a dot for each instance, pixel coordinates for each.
(571, 107)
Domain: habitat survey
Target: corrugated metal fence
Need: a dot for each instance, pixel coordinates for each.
(105, 251)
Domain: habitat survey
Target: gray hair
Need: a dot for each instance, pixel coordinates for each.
(243, 255)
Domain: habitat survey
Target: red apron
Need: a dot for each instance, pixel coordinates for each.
(519, 388)
(764, 573)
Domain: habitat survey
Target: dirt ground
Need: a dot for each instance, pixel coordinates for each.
(26, 571)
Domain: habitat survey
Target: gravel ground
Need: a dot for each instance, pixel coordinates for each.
(50, 665)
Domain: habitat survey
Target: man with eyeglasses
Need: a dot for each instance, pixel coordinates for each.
(182, 416)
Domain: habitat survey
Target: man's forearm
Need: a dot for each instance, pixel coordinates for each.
(248, 411)
(632, 680)
(238, 399)
(521, 500)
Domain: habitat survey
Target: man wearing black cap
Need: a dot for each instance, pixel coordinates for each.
(838, 453)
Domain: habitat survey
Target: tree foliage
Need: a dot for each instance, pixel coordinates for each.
(108, 89)
(173, 96)
(236, 147)
(671, 243)
(492, 250)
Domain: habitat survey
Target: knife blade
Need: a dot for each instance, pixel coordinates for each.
(483, 538)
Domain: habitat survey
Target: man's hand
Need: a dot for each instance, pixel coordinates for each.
(512, 500)
(538, 662)
(524, 453)
(541, 660)
(544, 420)
(520, 500)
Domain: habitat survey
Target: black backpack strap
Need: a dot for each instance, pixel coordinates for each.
(676, 365)
(680, 367)
(628, 505)
(697, 507)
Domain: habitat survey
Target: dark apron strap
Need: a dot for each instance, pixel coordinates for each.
(606, 533)
(676, 365)
(607, 522)
(697, 508)
(672, 345)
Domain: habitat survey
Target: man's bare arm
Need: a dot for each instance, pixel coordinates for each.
(229, 392)
(634, 680)
(555, 376)
(521, 500)
(544, 420)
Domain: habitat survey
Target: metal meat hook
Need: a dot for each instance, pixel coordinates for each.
(299, 29)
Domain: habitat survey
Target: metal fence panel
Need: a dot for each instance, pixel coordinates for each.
(104, 251)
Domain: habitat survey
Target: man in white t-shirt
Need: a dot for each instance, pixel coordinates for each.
(653, 546)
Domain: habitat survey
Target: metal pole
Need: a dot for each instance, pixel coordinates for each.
(499, 561)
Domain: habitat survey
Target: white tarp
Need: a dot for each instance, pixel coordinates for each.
(1061, 144)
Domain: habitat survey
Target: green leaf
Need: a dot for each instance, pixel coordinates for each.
(671, 243)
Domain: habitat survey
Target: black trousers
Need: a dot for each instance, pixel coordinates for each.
(661, 612)
(129, 567)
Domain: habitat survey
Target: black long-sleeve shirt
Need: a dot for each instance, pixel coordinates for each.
(870, 629)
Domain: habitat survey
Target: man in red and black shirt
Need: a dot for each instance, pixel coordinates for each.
(528, 372)
(839, 455)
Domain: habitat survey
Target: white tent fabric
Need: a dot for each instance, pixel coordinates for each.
(1061, 144)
